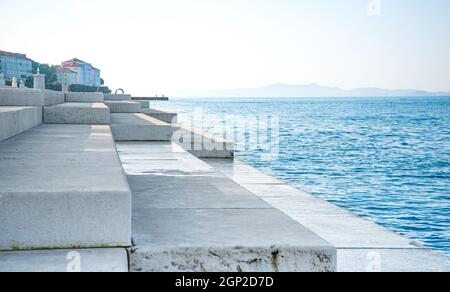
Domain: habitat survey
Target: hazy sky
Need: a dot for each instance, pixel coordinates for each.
(155, 46)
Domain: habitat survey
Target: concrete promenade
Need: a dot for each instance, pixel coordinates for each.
(93, 182)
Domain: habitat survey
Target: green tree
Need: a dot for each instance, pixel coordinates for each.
(48, 70)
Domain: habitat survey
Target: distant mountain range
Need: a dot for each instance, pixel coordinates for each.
(309, 90)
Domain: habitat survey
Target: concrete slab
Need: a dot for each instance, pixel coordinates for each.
(139, 127)
(208, 194)
(226, 240)
(189, 217)
(165, 116)
(29, 97)
(123, 106)
(85, 97)
(77, 113)
(144, 104)
(391, 260)
(117, 97)
(67, 198)
(81, 260)
(201, 144)
(15, 120)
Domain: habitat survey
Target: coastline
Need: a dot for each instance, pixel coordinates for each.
(122, 193)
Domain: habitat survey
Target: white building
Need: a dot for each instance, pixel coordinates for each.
(65, 76)
(86, 73)
(15, 65)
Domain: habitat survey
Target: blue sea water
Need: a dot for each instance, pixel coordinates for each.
(386, 159)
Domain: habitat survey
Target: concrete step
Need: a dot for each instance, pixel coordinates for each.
(29, 97)
(124, 106)
(84, 97)
(63, 186)
(117, 97)
(189, 217)
(77, 113)
(48, 261)
(139, 127)
(201, 144)
(145, 104)
(165, 116)
(15, 120)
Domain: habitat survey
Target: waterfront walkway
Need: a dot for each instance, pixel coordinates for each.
(79, 193)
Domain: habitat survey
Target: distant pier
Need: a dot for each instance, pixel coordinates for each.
(154, 98)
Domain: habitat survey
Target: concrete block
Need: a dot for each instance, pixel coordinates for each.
(201, 144)
(15, 120)
(219, 240)
(77, 113)
(165, 116)
(51, 261)
(145, 104)
(117, 97)
(55, 194)
(29, 97)
(139, 127)
(53, 97)
(123, 106)
(84, 97)
(232, 259)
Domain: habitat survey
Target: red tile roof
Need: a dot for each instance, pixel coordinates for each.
(71, 64)
(75, 60)
(64, 70)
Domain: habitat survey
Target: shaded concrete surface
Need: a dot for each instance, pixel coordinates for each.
(15, 120)
(82, 260)
(63, 186)
(123, 106)
(84, 97)
(360, 243)
(117, 97)
(165, 116)
(77, 113)
(189, 217)
(29, 97)
(202, 144)
(144, 104)
(139, 127)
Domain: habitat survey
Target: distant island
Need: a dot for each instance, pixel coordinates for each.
(310, 90)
